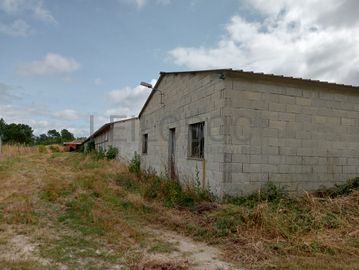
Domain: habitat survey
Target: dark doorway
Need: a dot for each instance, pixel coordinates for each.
(172, 153)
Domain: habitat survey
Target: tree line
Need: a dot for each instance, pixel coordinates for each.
(24, 134)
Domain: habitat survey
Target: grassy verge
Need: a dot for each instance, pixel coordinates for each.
(264, 230)
(106, 226)
(82, 212)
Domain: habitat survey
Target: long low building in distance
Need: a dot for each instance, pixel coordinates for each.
(121, 134)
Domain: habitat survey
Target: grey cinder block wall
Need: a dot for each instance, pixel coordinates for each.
(187, 99)
(123, 134)
(300, 134)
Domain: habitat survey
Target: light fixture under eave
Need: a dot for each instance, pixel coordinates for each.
(148, 85)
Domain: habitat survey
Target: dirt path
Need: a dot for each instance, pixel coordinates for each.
(188, 253)
(32, 237)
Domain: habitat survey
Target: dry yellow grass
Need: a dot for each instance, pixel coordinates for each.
(73, 214)
(17, 149)
(78, 212)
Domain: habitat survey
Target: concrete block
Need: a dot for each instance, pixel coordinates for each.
(269, 115)
(253, 95)
(286, 133)
(269, 168)
(262, 178)
(303, 134)
(303, 118)
(277, 124)
(250, 168)
(277, 107)
(270, 132)
(287, 151)
(270, 150)
(291, 108)
(283, 116)
(287, 99)
(240, 158)
(347, 122)
(258, 159)
(294, 91)
(303, 101)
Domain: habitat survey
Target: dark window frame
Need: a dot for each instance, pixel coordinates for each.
(145, 143)
(196, 140)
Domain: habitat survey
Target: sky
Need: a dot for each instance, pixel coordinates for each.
(63, 60)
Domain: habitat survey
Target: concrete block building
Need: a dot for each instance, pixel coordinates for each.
(232, 131)
(123, 134)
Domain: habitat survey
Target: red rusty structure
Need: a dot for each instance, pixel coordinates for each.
(72, 146)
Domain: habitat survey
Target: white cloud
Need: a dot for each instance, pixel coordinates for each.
(141, 3)
(39, 126)
(41, 13)
(52, 63)
(68, 114)
(310, 38)
(42, 126)
(35, 7)
(98, 81)
(15, 108)
(11, 6)
(18, 28)
(18, 114)
(128, 101)
(42, 120)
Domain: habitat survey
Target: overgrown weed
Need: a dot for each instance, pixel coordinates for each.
(21, 210)
(11, 150)
(99, 203)
(169, 191)
(339, 189)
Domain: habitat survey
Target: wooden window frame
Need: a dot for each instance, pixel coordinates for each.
(196, 140)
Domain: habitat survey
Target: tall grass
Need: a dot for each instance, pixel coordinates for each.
(168, 191)
(13, 150)
(10, 150)
(269, 225)
(100, 201)
(21, 211)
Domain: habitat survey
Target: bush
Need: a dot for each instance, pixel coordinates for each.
(172, 193)
(100, 154)
(111, 152)
(80, 149)
(127, 181)
(340, 189)
(42, 149)
(269, 193)
(90, 147)
(55, 148)
(134, 165)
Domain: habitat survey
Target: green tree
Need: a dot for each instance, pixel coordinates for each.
(18, 133)
(2, 126)
(67, 136)
(42, 139)
(53, 136)
(53, 133)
